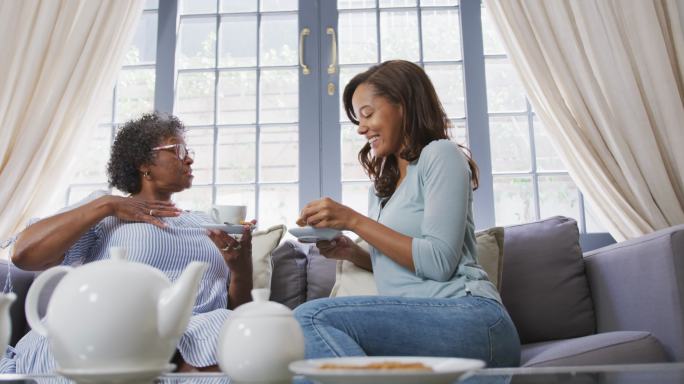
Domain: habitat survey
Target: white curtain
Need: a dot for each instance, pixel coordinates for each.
(59, 61)
(605, 78)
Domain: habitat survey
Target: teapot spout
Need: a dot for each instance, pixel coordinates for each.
(175, 304)
(6, 300)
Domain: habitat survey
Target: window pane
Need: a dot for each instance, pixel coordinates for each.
(505, 93)
(399, 23)
(238, 52)
(278, 204)
(355, 196)
(278, 40)
(558, 195)
(238, 195)
(510, 144)
(279, 95)
(355, 4)
(197, 6)
(195, 98)
(197, 198)
(357, 38)
(196, 43)
(151, 4)
(135, 93)
(592, 219)
(448, 82)
(143, 48)
(278, 5)
(236, 158)
(547, 157)
(397, 3)
(441, 35)
(490, 35)
(429, 3)
(513, 200)
(279, 153)
(238, 6)
(201, 140)
(237, 97)
(352, 143)
(458, 132)
(91, 165)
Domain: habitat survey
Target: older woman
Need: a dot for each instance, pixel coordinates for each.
(149, 161)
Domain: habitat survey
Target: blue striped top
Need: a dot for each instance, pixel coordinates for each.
(170, 250)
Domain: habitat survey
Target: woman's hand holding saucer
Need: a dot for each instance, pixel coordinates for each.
(147, 211)
(236, 253)
(340, 248)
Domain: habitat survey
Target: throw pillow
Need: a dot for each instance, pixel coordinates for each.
(545, 289)
(351, 280)
(263, 243)
(288, 281)
(320, 274)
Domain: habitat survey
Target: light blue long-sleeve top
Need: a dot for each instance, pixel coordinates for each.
(433, 205)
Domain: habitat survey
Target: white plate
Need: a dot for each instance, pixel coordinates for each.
(312, 235)
(231, 229)
(444, 370)
(131, 375)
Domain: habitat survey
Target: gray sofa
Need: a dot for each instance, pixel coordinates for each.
(620, 304)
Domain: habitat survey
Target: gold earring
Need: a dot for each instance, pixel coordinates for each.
(146, 174)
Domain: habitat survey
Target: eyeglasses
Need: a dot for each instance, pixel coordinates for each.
(181, 151)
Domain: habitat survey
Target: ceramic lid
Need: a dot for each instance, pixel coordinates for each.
(261, 306)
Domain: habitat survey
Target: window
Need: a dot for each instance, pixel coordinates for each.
(237, 91)
(530, 181)
(132, 95)
(271, 137)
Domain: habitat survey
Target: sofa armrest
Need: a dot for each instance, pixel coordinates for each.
(638, 285)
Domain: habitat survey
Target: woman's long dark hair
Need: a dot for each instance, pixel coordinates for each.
(404, 84)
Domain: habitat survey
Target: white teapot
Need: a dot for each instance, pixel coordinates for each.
(114, 315)
(259, 340)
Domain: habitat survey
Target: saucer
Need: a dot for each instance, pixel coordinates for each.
(312, 235)
(131, 375)
(231, 229)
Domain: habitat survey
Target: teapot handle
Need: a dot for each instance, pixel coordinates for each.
(33, 296)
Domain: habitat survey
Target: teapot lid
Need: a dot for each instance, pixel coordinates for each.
(261, 306)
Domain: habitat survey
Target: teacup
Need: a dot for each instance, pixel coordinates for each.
(232, 214)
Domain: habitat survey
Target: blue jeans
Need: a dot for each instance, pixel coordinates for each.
(469, 326)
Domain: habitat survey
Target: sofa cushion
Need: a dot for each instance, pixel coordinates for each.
(544, 286)
(320, 274)
(623, 347)
(263, 243)
(351, 280)
(288, 281)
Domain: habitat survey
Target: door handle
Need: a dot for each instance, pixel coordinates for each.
(332, 68)
(305, 68)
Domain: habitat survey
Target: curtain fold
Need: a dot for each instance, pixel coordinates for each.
(64, 59)
(605, 77)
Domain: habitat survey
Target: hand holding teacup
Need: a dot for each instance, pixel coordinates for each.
(327, 213)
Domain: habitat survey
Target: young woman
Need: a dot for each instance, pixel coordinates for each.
(435, 300)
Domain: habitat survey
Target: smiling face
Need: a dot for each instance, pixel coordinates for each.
(168, 173)
(380, 121)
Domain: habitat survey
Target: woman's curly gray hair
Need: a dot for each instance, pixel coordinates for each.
(133, 147)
